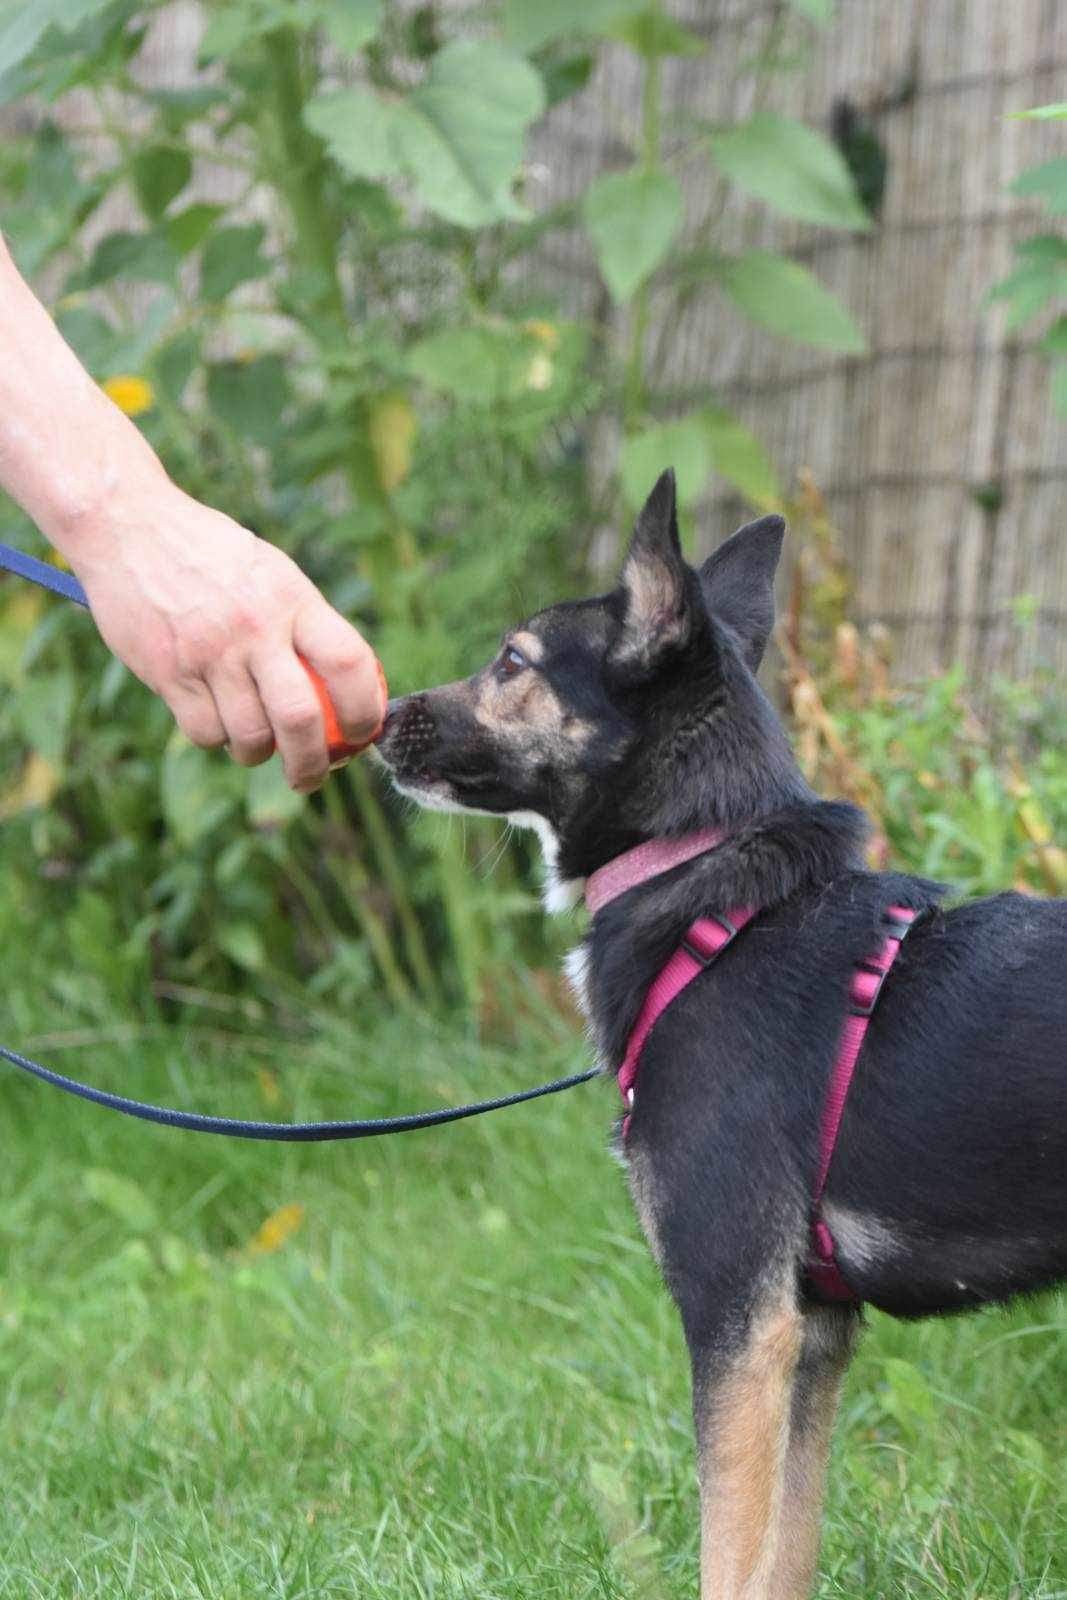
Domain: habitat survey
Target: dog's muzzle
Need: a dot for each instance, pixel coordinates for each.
(408, 736)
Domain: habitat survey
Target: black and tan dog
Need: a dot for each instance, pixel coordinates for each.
(637, 716)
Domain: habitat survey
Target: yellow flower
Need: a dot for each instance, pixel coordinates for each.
(546, 332)
(278, 1227)
(130, 393)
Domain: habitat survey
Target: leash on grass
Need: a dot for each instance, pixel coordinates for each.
(62, 583)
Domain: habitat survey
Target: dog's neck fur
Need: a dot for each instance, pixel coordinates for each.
(732, 767)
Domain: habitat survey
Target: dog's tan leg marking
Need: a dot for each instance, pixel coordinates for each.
(743, 1440)
(828, 1340)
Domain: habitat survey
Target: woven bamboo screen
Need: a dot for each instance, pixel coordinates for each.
(945, 415)
(939, 454)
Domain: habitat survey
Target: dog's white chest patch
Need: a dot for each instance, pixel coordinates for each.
(576, 969)
(558, 894)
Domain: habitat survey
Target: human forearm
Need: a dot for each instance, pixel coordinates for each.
(212, 618)
(65, 448)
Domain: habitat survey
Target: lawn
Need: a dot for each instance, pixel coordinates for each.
(452, 1373)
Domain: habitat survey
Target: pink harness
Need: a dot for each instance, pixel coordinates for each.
(704, 940)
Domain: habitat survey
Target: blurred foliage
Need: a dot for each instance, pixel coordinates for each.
(340, 347)
(975, 797)
(1038, 285)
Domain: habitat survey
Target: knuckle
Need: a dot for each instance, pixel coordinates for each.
(351, 658)
(201, 728)
(250, 743)
(298, 718)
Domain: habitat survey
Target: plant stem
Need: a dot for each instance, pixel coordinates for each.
(392, 871)
(636, 385)
(299, 168)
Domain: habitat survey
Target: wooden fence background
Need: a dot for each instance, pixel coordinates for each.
(906, 440)
(938, 451)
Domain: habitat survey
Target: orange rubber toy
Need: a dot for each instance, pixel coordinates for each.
(340, 750)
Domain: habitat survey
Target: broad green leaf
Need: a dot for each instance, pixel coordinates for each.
(234, 24)
(358, 127)
(270, 802)
(683, 445)
(173, 364)
(375, 207)
(1037, 283)
(249, 396)
(176, 107)
(243, 944)
(197, 790)
(708, 440)
(1055, 341)
(349, 24)
(43, 709)
(231, 257)
(53, 202)
(97, 49)
(1048, 182)
(632, 218)
(1042, 113)
(122, 1197)
(652, 33)
(529, 24)
(24, 23)
(478, 365)
(139, 257)
(463, 139)
(1049, 247)
(793, 168)
(189, 228)
(739, 457)
(458, 137)
(564, 72)
(786, 298)
(160, 172)
(89, 335)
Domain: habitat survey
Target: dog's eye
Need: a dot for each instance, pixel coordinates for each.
(511, 661)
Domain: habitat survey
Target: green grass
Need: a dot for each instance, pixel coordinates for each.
(459, 1378)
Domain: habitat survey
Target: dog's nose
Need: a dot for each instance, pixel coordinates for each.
(393, 713)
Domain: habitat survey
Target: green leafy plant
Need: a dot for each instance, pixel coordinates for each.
(1038, 285)
(341, 355)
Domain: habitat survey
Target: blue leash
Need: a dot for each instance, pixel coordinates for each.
(39, 572)
(61, 583)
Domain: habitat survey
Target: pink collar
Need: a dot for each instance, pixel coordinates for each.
(645, 861)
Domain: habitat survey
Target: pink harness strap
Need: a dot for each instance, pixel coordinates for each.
(706, 939)
(646, 861)
(824, 1274)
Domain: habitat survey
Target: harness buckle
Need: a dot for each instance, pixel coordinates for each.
(704, 958)
(865, 1008)
(898, 924)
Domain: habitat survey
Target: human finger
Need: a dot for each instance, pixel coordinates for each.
(348, 667)
(293, 710)
(249, 736)
(194, 710)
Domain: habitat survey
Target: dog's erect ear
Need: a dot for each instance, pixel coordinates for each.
(653, 582)
(738, 583)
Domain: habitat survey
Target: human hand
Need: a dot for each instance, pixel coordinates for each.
(212, 618)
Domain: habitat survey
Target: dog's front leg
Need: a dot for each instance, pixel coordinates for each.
(742, 1400)
(829, 1337)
